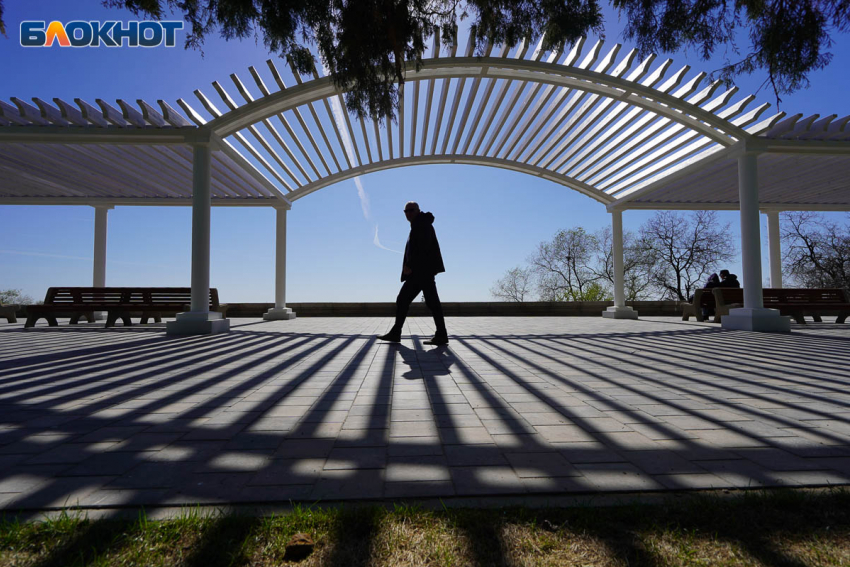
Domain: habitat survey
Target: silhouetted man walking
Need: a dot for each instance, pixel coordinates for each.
(422, 261)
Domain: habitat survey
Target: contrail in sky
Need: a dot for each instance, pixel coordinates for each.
(339, 118)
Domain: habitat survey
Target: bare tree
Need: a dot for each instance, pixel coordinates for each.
(563, 266)
(515, 285)
(638, 262)
(817, 251)
(685, 248)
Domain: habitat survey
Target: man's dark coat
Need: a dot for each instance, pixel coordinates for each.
(730, 281)
(422, 251)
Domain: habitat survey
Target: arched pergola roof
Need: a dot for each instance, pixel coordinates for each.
(625, 132)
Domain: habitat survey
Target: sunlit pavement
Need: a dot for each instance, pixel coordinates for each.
(317, 409)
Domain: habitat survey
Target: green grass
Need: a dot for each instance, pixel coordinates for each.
(781, 528)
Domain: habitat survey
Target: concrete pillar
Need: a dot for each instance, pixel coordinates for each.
(199, 320)
(775, 249)
(619, 310)
(99, 265)
(753, 316)
(280, 311)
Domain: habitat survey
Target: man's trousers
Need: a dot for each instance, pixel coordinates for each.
(411, 288)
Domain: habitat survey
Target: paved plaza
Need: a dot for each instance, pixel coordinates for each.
(316, 409)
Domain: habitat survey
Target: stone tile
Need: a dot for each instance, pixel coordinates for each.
(777, 459)
(363, 438)
(289, 471)
(275, 493)
(530, 465)
(234, 462)
(154, 475)
(181, 450)
(692, 481)
(420, 489)
(70, 453)
(418, 468)
(742, 473)
(59, 492)
(412, 429)
(564, 433)
(348, 485)
(315, 431)
(655, 462)
(412, 446)
(356, 458)
(105, 464)
(617, 477)
(507, 427)
(486, 480)
(465, 436)
(304, 448)
(588, 453)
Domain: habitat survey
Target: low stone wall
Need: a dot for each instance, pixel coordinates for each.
(464, 308)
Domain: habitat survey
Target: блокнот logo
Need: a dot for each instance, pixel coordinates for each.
(79, 33)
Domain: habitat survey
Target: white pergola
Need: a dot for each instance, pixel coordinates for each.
(630, 134)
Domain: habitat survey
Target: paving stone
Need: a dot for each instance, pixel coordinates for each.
(356, 458)
(529, 465)
(363, 438)
(234, 461)
(277, 493)
(304, 448)
(59, 492)
(69, 453)
(154, 475)
(691, 481)
(289, 471)
(420, 489)
(564, 433)
(465, 435)
(617, 476)
(349, 485)
(419, 468)
(105, 464)
(412, 429)
(777, 459)
(486, 480)
(549, 393)
(412, 446)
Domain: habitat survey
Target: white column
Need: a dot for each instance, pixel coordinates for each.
(99, 265)
(753, 316)
(199, 320)
(280, 310)
(775, 249)
(619, 310)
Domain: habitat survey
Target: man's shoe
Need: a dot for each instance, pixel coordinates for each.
(438, 339)
(390, 337)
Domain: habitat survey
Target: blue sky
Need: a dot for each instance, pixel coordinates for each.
(488, 220)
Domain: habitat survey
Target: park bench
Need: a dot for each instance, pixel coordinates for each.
(796, 303)
(8, 312)
(118, 302)
(703, 299)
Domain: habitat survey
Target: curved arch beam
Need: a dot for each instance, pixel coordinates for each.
(582, 188)
(650, 99)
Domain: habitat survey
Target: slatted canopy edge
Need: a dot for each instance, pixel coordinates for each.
(628, 133)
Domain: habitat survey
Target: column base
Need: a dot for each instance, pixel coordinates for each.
(615, 312)
(279, 314)
(761, 320)
(198, 323)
